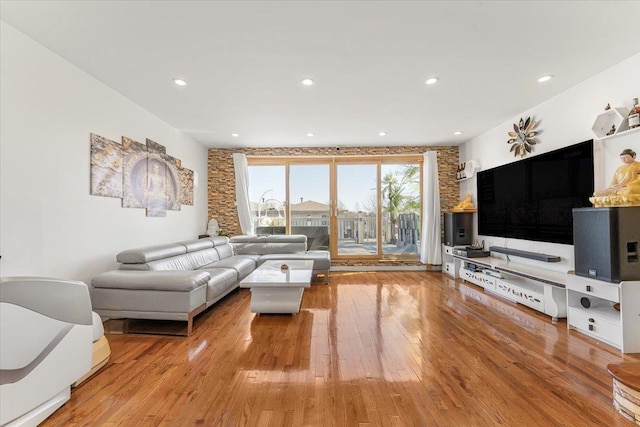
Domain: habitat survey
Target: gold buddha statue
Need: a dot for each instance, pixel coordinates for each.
(624, 189)
(465, 205)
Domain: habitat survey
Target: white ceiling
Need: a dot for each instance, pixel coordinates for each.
(244, 61)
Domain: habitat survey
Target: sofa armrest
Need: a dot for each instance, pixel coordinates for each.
(172, 280)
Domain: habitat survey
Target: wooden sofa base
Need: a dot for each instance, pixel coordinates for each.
(99, 358)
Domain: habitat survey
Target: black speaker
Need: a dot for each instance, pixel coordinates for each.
(605, 243)
(458, 228)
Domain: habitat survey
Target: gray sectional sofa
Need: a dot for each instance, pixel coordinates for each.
(177, 281)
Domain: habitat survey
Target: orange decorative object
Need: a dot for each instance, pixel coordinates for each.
(465, 205)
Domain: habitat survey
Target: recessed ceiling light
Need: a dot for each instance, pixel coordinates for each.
(310, 134)
(545, 78)
(432, 80)
(382, 133)
(458, 132)
(235, 135)
(180, 82)
(307, 82)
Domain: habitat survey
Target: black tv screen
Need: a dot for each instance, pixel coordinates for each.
(532, 199)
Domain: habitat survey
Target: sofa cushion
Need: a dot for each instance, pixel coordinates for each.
(276, 243)
(190, 261)
(219, 240)
(148, 303)
(224, 251)
(222, 279)
(150, 253)
(270, 238)
(242, 264)
(178, 281)
(197, 245)
(321, 259)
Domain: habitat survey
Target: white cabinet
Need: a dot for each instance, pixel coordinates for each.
(591, 311)
(533, 287)
(450, 265)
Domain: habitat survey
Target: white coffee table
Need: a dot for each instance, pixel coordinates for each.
(274, 290)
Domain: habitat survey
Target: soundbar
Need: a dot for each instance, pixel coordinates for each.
(525, 254)
(470, 253)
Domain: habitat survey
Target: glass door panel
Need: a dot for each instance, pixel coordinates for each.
(267, 198)
(357, 209)
(310, 204)
(400, 192)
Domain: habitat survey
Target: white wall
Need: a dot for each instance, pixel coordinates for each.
(564, 120)
(49, 223)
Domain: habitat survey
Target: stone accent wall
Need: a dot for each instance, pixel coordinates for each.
(221, 179)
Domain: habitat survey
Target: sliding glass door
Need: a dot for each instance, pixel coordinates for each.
(400, 199)
(355, 207)
(310, 207)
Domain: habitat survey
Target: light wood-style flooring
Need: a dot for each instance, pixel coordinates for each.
(368, 349)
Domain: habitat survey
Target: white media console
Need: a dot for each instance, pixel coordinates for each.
(588, 304)
(537, 288)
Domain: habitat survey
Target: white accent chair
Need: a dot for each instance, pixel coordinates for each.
(46, 344)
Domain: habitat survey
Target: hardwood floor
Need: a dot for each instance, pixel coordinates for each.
(370, 348)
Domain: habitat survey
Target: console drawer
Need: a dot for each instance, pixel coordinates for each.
(597, 288)
(595, 325)
(450, 268)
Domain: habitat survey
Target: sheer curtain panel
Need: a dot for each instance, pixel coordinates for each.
(430, 241)
(242, 192)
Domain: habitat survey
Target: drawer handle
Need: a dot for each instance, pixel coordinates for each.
(589, 288)
(591, 327)
(591, 320)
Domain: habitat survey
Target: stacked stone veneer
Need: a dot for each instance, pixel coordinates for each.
(221, 180)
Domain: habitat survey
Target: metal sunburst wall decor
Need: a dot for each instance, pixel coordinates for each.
(521, 139)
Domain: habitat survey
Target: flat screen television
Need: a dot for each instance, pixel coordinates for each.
(532, 199)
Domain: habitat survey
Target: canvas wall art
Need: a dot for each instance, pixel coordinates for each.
(157, 188)
(174, 183)
(187, 187)
(144, 176)
(155, 147)
(135, 174)
(106, 167)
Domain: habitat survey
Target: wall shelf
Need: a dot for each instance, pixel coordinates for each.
(620, 134)
(613, 119)
(470, 168)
